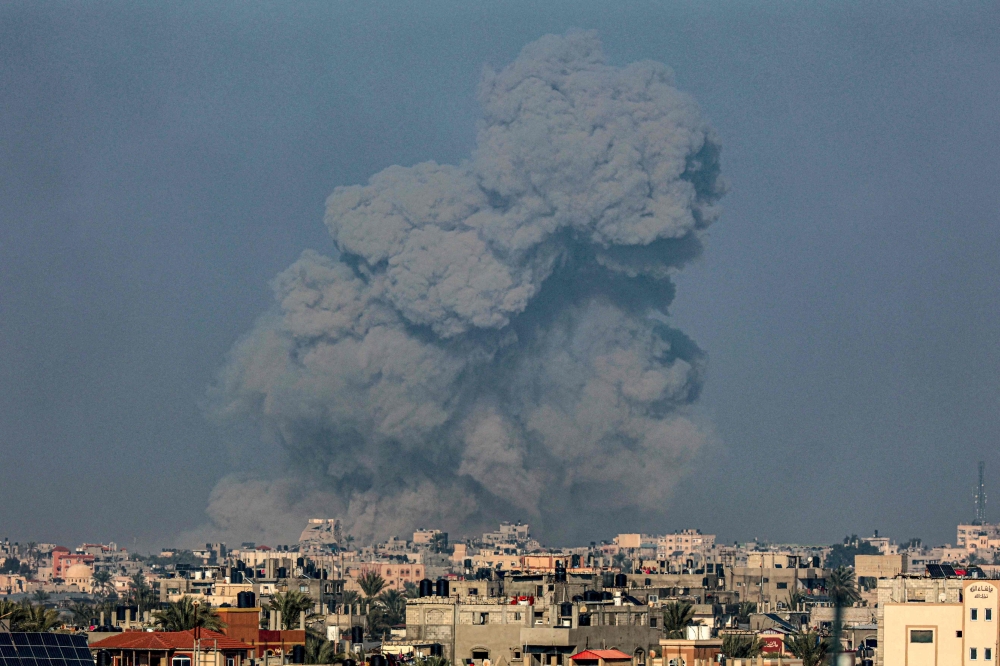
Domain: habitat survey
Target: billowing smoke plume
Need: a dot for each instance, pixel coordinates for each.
(491, 342)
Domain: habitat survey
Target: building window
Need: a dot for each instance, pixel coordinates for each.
(782, 586)
(181, 661)
(230, 661)
(973, 654)
(958, 634)
(921, 635)
(973, 614)
(989, 615)
(988, 654)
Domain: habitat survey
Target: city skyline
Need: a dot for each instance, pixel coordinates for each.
(164, 164)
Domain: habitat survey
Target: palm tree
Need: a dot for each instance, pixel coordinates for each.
(141, 595)
(185, 614)
(103, 581)
(676, 616)
(83, 612)
(11, 612)
(41, 596)
(744, 610)
(371, 582)
(841, 587)
(319, 650)
(741, 646)
(37, 618)
(795, 597)
(411, 590)
(388, 610)
(808, 646)
(291, 604)
(350, 597)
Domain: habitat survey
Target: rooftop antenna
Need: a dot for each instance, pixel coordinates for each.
(981, 497)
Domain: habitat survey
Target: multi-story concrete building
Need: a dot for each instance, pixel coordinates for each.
(520, 634)
(929, 633)
(769, 578)
(919, 591)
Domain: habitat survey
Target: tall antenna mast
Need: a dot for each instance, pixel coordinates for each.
(981, 497)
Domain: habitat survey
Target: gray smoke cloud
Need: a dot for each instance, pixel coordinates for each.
(491, 342)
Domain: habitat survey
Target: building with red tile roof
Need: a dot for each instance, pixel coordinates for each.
(600, 657)
(173, 648)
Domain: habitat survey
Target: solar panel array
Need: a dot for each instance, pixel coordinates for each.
(38, 649)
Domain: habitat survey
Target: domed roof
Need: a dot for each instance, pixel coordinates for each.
(79, 570)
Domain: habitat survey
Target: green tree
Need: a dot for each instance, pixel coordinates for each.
(140, 594)
(808, 646)
(744, 610)
(676, 616)
(388, 610)
(40, 596)
(103, 581)
(319, 650)
(185, 614)
(741, 646)
(83, 612)
(11, 565)
(411, 590)
(842, 555)
(796, 597)
(841, 587)
(371, 583)
(36, 618)
(349, 598)
(291, 604)
(11, 612)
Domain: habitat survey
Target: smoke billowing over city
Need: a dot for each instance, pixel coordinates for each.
(492, 340)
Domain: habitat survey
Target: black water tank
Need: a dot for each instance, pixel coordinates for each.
(120, 613)
(103, 658)
(575, 561)
(357, 635)
(560, 573)
(246, 600)
(426, 588)
(566, 609)
(591, 595)
(300, 562)
(437, 650)
(815, 562)
(350, 662)
(442, 587)
(606, 596)
(377, 660)
(298, 654)
(621, 580)
(236, 576)
(282, 572)
(577, 598)
(240, 565)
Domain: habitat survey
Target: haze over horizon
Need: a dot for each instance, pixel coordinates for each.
(161, 165)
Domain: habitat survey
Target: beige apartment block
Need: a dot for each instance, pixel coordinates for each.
(880, 566)
(943, 633)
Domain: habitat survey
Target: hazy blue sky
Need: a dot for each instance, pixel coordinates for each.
(160, 164)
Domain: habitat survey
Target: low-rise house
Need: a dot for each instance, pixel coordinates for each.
(197, 647)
